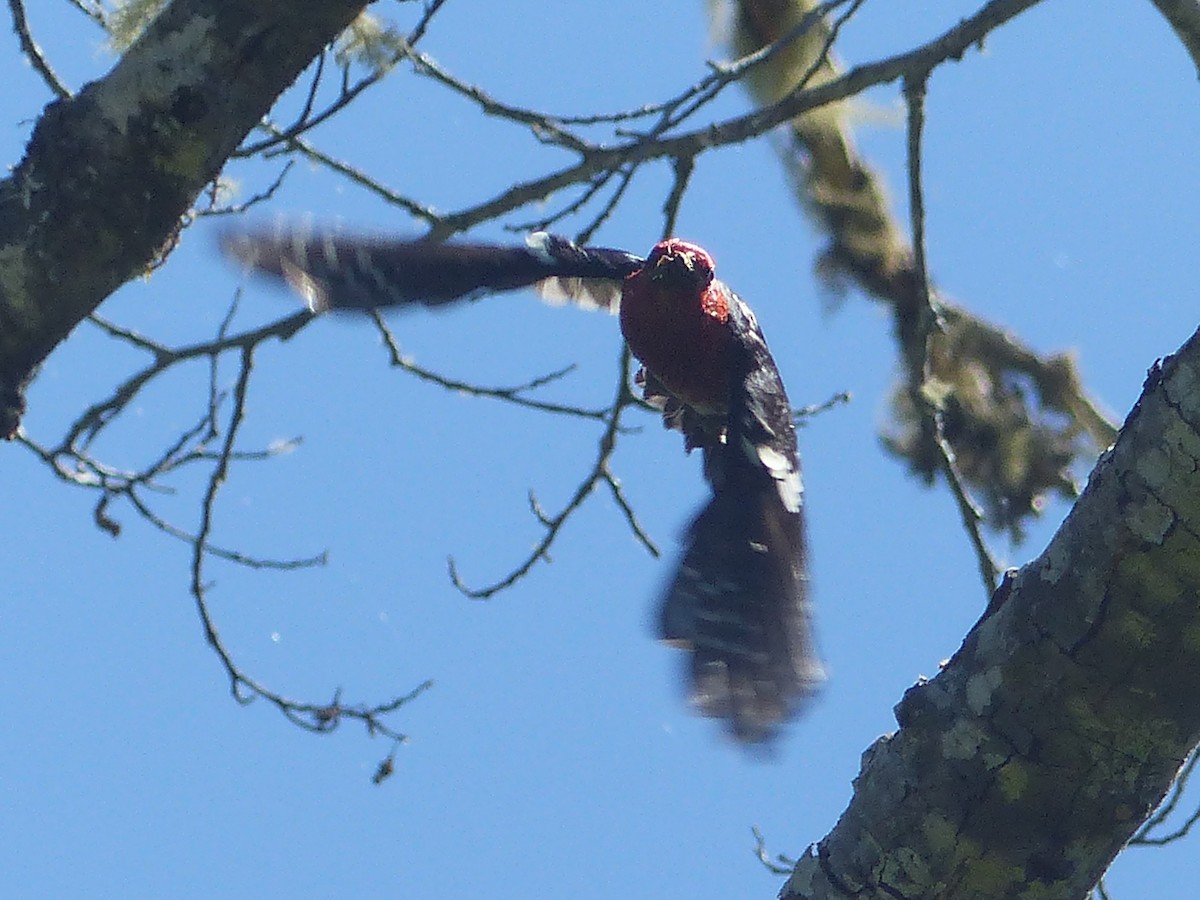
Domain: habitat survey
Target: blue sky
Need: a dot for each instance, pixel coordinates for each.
(554, 755)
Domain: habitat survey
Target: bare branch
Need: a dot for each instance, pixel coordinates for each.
(244, 688)
(684, 166)
(72, 461)
(553, 524)
(362, 179)
(1146, 836)
(781, 865)
(928, 321)
(33, 52)
(804, 413)
(514, 395)
(168, 131)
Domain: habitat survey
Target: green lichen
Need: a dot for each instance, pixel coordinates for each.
(1135, 630)
(989, 876)
(962, 741)
(1150, 519)
(1146, 740)
(185, 159)
(1153, 465)
(1190, 639)
(1150, 586)
(1181, 550)
(13, 276)
(1012, 779)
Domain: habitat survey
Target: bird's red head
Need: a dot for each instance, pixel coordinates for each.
(678, 261)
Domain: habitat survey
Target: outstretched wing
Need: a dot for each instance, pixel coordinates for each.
(339, 271)
(739, 599)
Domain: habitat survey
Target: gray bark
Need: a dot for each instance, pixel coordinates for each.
(1025, 765)
(109, 173)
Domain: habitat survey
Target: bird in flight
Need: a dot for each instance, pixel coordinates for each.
(738, 602)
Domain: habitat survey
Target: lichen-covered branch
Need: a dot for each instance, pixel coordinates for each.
(1011, 445)
(1038, 750)
(110, 172)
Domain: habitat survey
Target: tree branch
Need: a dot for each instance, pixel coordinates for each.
(109, 173)
(1184, 18)
(1037, 751)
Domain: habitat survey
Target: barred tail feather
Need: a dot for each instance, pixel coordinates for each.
(739, 604)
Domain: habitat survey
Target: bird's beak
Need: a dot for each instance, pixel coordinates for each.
(663, 263)
(685, 256)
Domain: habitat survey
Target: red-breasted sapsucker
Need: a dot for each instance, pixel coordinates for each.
(738, 601)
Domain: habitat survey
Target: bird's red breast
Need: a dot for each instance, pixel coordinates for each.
(674, 315)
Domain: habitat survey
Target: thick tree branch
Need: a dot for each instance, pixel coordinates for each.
(1184, 17)
(1041, 746)
(110, 172)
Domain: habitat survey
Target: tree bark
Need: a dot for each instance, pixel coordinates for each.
(1184, 18)
(1025, 765)
(109, 173)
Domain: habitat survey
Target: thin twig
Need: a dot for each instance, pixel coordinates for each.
(357, 176)
(33, 52)
(804, 413)
(513, 395)
(683, 168)
(1143, 837)
(553, 524)
(631, 519)
(929, 323)
(262, 196)
(780, 865)
(585, 196)
(244, 688)
(624, 177)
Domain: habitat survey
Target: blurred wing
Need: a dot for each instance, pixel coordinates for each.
(589, 277)
(334, 271)
(739, 600)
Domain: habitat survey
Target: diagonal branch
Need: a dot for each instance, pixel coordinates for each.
(1083, 666)
(153, 135)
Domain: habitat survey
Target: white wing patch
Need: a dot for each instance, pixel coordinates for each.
(539, 243)
(748, 313)
(586, 293)
(306, 286)
(782, 469)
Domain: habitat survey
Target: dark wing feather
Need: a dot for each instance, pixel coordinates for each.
(698, 429)
(336, 271)
(739, 600)
(590, 277)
